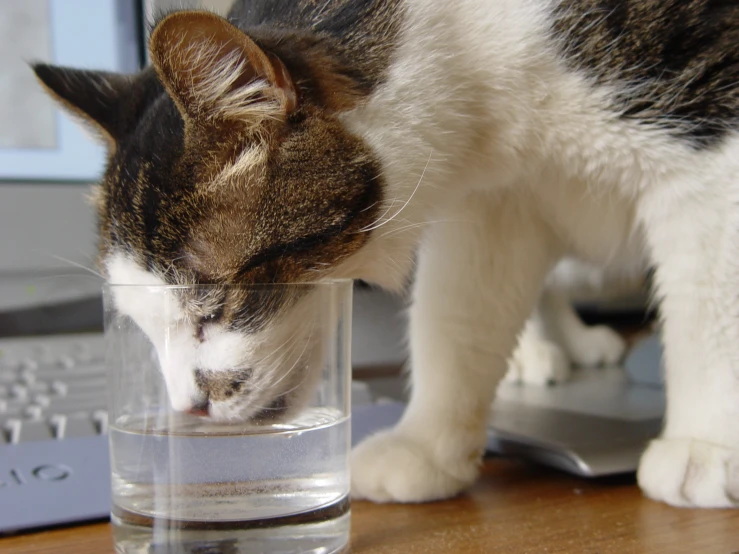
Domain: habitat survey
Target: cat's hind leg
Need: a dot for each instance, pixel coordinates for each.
(554, 338)
(477, 282)
(537, 359)
(694, 239)
(585, 345)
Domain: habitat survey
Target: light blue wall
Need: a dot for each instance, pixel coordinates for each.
(84, 34)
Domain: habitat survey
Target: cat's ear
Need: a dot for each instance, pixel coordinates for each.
(213, 71)
(93, 96)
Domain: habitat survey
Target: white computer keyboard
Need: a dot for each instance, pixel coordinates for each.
(52, 388)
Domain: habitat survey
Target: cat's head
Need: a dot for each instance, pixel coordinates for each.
(226, 166)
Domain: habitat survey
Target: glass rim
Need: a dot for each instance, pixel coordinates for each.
(327, 283)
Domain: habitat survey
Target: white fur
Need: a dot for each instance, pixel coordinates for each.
(555, 338)
(538, 359)
(285, 358)
(522, 165)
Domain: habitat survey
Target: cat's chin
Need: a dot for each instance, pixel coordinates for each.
(277, 411)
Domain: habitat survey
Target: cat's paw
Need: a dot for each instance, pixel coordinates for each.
(691, 473)
(390, 467)
(597, 346)
(538, 362)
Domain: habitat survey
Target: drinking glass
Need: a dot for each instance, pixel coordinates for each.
(184, 481)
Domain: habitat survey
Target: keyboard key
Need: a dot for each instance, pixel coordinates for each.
(42, 400)
(18, 431)
(100, 417)
(29, 364)
(59, 388)
(33, 411)
(66, 362)
(11, 430)
(18, 391)
(57, 422)
(27, 377)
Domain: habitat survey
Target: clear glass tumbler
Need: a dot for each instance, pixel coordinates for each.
(229, 417)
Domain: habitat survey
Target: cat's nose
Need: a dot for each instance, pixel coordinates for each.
(201, 409)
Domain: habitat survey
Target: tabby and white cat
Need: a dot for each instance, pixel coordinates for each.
(310, 139)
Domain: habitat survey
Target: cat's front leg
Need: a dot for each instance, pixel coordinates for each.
(478, 279)
(694, 244)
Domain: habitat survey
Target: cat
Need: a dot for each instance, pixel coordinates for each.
(305, 140)
(555, 339)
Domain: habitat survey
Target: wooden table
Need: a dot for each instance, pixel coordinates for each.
(514, 508)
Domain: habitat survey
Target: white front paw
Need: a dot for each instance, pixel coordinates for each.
(538, 362)
(390, 467)
(684, 472)
(596, 346)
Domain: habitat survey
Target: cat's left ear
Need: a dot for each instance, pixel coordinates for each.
(95, 97)
(213, 71)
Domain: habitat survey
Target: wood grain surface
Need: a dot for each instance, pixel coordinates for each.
(515, 508)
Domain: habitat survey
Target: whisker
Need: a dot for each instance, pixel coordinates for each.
(79, 265)
(296, 387)
(298, 358)
(405, 204)
(420, 224)
(287, 344)
(379, 219)
(276, 358)
(44, 278)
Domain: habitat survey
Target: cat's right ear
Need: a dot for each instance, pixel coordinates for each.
(93, 96)
(214, 72)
